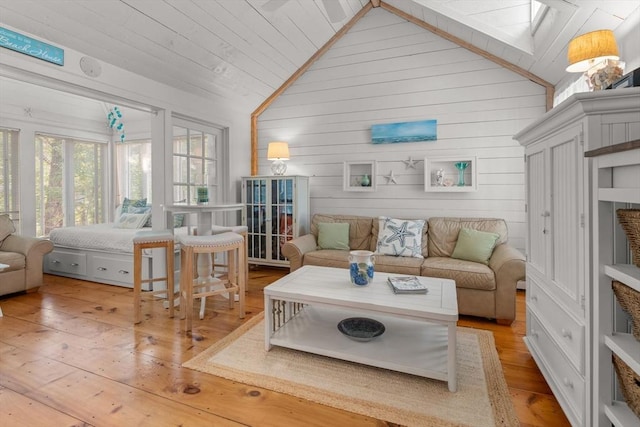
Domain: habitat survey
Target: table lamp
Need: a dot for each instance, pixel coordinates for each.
(596, 55)
(278, 152)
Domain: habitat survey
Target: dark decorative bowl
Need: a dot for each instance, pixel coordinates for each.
(361, 328)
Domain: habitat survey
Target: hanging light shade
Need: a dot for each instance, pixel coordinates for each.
(589, 48)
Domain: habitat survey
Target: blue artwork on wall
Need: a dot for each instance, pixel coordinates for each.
(24, 44)
(424, 130)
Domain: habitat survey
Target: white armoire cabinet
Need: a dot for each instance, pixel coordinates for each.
(276, 210)
(559, 247)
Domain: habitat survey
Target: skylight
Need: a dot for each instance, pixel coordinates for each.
(538, 11)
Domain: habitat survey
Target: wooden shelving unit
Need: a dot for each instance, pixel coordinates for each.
(616, 184)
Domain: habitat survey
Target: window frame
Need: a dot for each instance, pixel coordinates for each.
(100, 164)
(10, 176)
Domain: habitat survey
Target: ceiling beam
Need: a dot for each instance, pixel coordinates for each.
(375, 3)
(549, 88)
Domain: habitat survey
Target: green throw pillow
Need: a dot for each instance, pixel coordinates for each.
(333, 235)
(474, 245)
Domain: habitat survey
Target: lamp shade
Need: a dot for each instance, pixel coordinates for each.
(584, 50)
(278, 151)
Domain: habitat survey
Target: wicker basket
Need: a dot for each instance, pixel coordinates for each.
(629, 300)
(630, 221)
(629, 384)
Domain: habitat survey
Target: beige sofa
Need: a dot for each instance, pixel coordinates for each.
(24, 256)
(483, 290)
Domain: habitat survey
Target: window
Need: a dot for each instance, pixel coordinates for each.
(195, 162)
(538, 12)
(70, 182)
(133, 170)
(9, 179)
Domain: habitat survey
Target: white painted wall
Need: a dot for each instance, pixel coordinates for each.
(387, 70)
(124, 88)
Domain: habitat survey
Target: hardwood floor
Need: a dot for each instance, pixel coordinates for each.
(70, 355)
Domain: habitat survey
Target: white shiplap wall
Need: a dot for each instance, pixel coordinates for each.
(387, 70)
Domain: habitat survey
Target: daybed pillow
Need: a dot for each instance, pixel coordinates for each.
(6, 227)
(474, 245)
(136, 203)
(333, 235)
(132, 220)
(400, 237)
(178, 220)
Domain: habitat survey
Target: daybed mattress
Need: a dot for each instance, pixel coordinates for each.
(99, 237)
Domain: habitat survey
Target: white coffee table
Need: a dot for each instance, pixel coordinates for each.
(303, 309)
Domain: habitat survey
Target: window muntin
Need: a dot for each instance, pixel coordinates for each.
(195, 163)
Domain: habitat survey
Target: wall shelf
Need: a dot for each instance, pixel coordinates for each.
(355, 173)
(450, 174)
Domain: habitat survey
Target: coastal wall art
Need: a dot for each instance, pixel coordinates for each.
(390, 133)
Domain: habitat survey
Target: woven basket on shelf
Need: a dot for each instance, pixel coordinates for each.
(629, 300)
(630, 221)
(629, 384)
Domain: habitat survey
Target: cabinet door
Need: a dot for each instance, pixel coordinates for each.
(537, 211)
(566, 221)
(255, 199)
(282, 216)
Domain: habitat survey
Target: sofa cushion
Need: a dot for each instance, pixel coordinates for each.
(467, 274)
(333, 235)
(359, 228)
(443, 232)
(396, 264)
(14, 260)
(400, 237)
(6, 227)
(329, 258)
(474, 245)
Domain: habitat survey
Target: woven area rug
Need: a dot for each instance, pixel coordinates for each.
(482, 398)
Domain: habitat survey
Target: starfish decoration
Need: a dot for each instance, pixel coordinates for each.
(399, 234)
(410, 164)
(390, 178)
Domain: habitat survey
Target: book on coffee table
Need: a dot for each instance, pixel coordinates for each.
(407, 285)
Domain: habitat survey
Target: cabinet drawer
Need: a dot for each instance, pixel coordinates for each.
(67, 262)
(564, 329)
(118, 270)
(562, 376)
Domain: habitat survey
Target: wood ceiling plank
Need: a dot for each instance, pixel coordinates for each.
(261, 29)
(212, 35)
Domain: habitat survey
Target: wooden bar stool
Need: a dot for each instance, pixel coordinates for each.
(152, 240)
(191, 246)
(243, 230)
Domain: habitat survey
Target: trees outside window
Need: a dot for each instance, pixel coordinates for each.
(70, 182)
(133, 170)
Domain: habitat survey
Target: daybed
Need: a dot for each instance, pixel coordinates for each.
(103, 253)
(23, 255)
(486, 290)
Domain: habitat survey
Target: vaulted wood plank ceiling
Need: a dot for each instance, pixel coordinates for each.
(243, 50)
